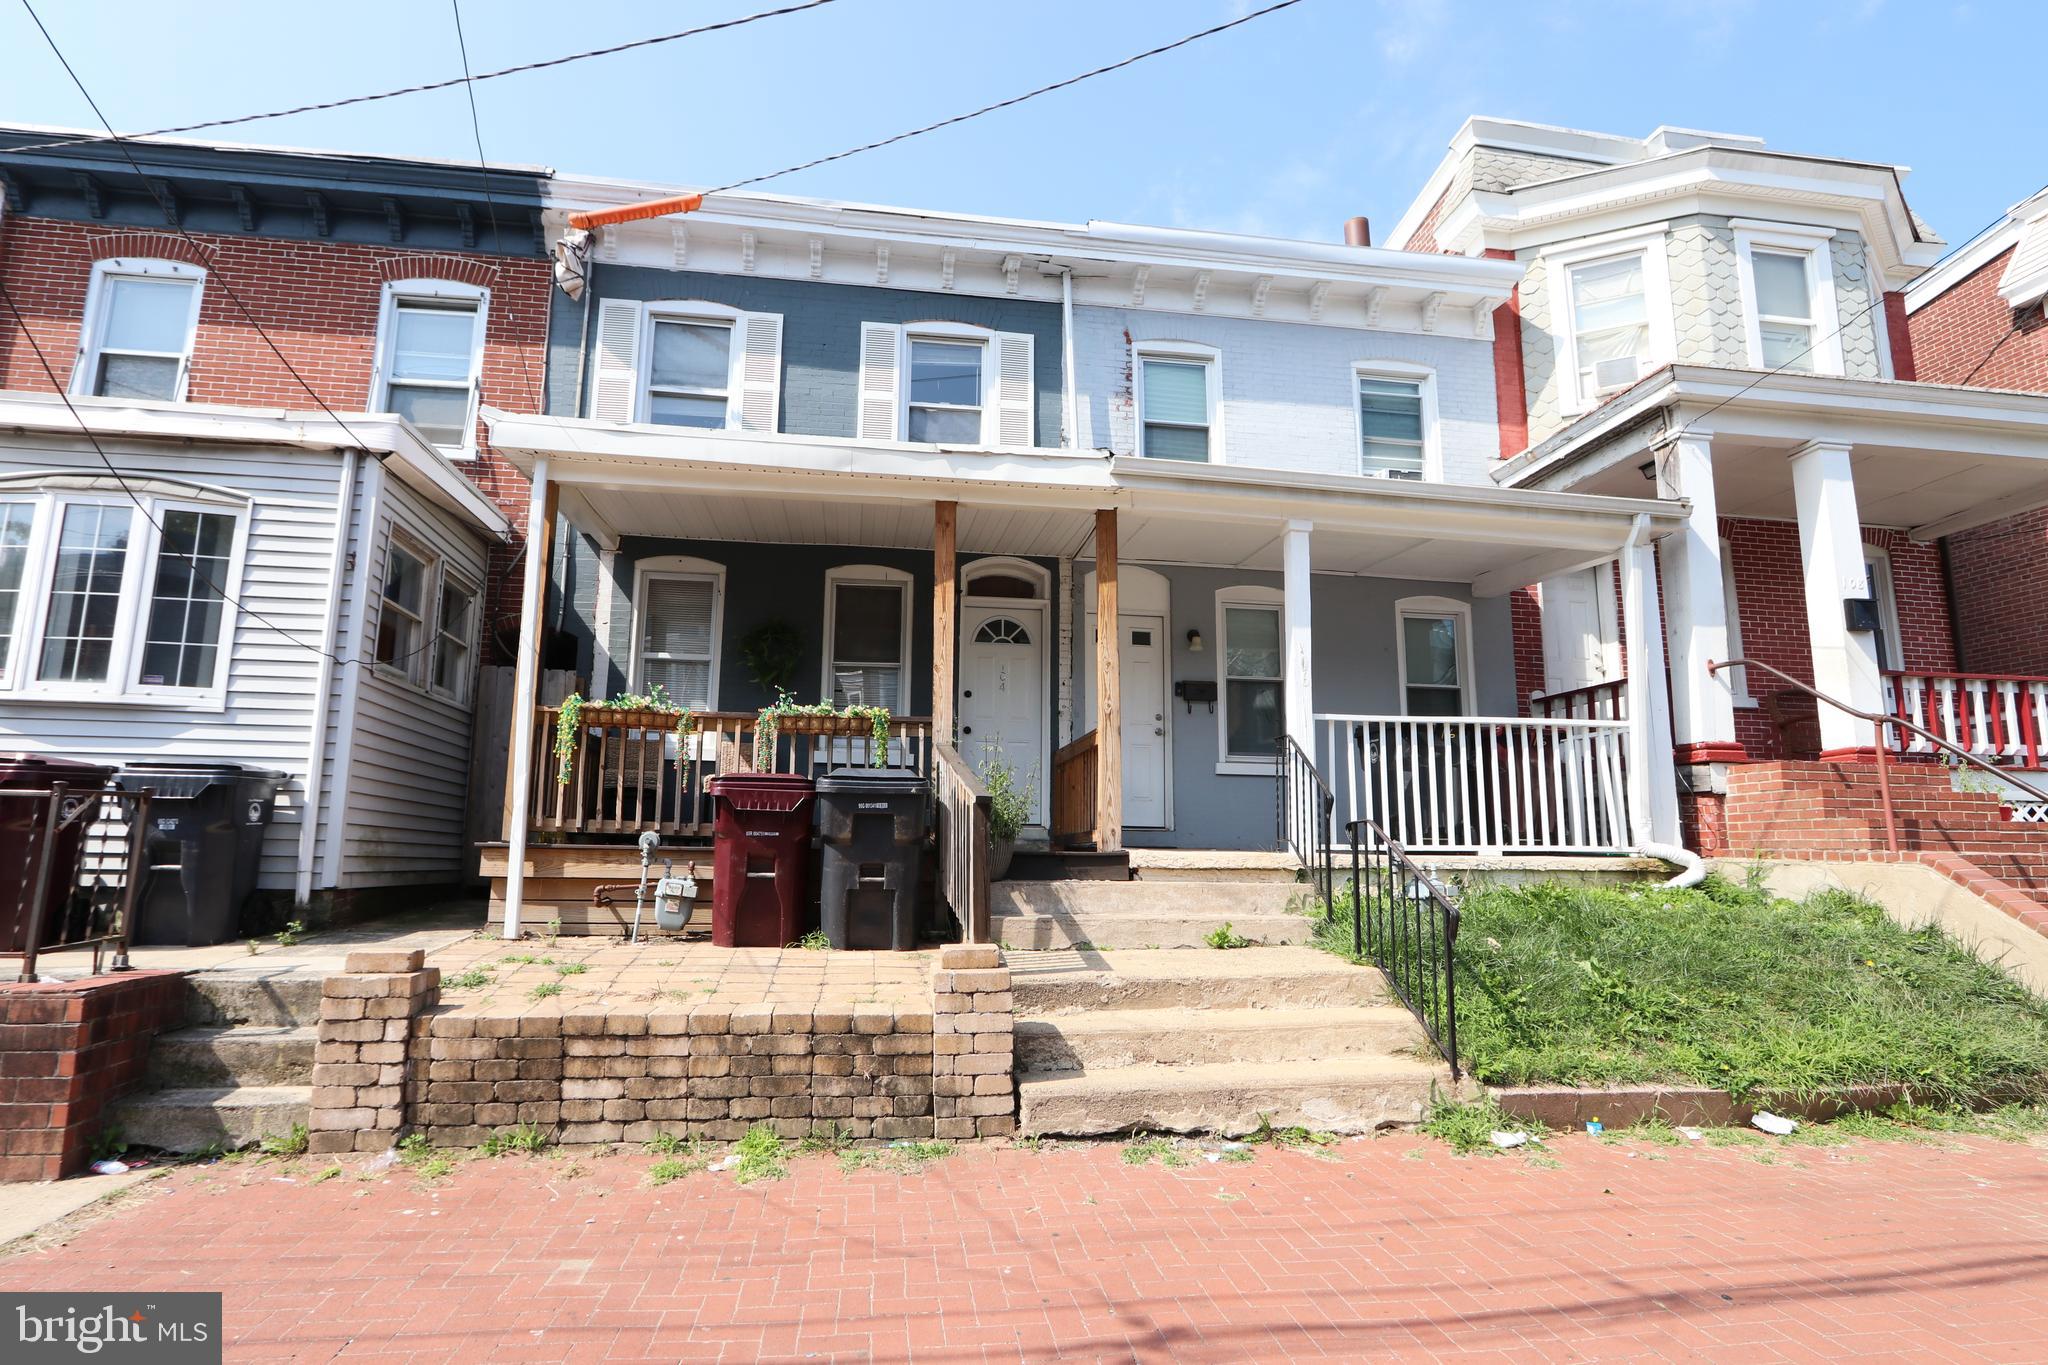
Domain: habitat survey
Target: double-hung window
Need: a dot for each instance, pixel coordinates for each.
(1435, 677)
(139, 325)
(402, 622)
(1395, 420)
(1251, 663)
(455, 638)
(104, 596)
(678, 611)
(1784, 310)
(427, 619)
(432, 349)
(689, 372)
(867, 629)
(1176, 402)
(1610, 324)
(945, 391)
(1789, 297)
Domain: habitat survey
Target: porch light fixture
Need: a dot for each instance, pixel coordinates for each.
(1194, 641)
(1648, 469)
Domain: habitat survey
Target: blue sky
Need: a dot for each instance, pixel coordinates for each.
(1285, 126)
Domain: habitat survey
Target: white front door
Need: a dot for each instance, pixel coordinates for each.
(1002, 693)
(1579, 634)
(1141, 662)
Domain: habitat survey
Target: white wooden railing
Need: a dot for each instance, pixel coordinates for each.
(1482, 784)
(2000, 717)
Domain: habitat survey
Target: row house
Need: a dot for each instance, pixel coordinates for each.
(1702, 318)
(1130, 510)
(248, 512)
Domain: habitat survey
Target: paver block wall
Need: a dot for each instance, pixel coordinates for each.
(68, 1049)
(363, 1076)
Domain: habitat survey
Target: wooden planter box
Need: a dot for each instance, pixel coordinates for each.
(823, 725)
(632, 718)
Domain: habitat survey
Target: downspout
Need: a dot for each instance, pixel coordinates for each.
(1070, 434)
(1692, 870)
(583, 350)
(323, 689)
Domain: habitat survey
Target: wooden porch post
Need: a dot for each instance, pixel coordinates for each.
(540, 528)
(945, 598)
(1109, 738)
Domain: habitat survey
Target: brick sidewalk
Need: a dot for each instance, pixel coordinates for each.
(1394, 1249)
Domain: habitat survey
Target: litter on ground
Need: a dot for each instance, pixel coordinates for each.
(1774, 1123)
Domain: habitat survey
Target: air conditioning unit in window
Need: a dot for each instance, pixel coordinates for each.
(1610, 376)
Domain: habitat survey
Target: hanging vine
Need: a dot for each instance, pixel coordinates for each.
(569, 722)
(769, 723)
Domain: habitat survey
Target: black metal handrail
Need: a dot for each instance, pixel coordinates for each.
(1307, 811)
(86, 919)
(1403, 922)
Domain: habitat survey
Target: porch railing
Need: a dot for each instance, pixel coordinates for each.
(1404, 923)
(630, 772)
(1306, 808)
(1074, 768)
(81, 857)
(1607, 700)
(1999, 717)
(1482, 784)
(963, 814)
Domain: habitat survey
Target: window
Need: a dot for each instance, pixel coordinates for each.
(689, 373)
(108, 597)
(140, 317)
(1396, 421)
(1250, 663)
(945, 391)
(181, 641)
(867, 627)
(433, 335)
(454, 638)
(678, 606)
(1788, 297)
(1610, 324)
(1176, 404)
(402, 624)
(1435, 674)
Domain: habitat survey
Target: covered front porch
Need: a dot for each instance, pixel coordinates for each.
(1364, 622)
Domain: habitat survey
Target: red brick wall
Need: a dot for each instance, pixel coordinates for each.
(318, 301)
(1969, 335)
(67, 1051)
(1525, 618)
(1771, 607)
(1898, 335)
(1424, 236)
(1510, 390)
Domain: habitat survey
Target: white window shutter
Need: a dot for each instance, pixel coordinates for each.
(758, 365)
(1014, 390)
(615, 384)
(880, 366)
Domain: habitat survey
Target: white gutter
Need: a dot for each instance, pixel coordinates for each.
(323, 690)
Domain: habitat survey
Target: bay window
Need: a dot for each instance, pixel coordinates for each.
(181, 643)
(17, 520)
(1788, 296)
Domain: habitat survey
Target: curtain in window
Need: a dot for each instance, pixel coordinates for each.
(675, 641)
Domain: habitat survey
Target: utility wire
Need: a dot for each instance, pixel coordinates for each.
(427, 86)
(1005, 104)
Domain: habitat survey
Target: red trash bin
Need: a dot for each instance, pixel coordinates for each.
(760, 859)
(21, 840)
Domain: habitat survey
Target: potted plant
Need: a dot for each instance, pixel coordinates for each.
(788, 716)
(650, 711)
(1009, 810)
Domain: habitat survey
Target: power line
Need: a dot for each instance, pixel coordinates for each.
(428, 86)
(1005, 104)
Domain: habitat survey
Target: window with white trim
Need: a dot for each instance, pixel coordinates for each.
(1432, 645)
(1788, 296)
(943, 400)
(140, 318)
(1396, 409)
(402, 620)
(946, 383)
(689, 372)
(432, 353)
(1609, 323)
(867, 634)
(1176, 402)
(108, 597)
(455, 624)
(1784, 309)
(1250, 664)
(678, 615)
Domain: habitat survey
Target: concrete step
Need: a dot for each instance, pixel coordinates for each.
(1332, 1095)
(1177, 914)
(1101, 1039)
(1213, 865)
(192, 1120)
(272, 999)
(1061, 981)
(250, 1054)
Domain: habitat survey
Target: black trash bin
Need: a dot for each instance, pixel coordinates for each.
(21, 842)
(199, 857)
(872, 826)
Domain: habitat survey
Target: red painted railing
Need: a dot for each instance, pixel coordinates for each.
(2000, 717)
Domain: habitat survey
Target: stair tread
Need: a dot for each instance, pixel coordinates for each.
(1176, 963)
(221, 1097)
(1326, 1073)
(1118, 1020)
(252, 1033)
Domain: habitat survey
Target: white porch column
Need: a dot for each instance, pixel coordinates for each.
(1296, 638)
(1831, 553)
(1652, 778)
(1696, 610)
(525, 690)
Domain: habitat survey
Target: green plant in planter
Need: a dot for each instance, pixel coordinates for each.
(772, 651)
(1009, 799)
(569, 721)
(769, 722)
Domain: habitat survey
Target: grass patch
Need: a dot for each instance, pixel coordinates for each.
(524, 1137)
(815, 942)
(1468, 1128)
(572, 968)
(1223, 936)
(673, 1168)
(761, 1156)
(899, 1158)
(1292, 1135)
(1143, 1151)
(544, 990)
(331, 1173)
(1729, 987)
(470, 980)
(292, 1143)
(419, 1156)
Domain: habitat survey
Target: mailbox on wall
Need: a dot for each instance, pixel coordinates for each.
(1193, 690)
(1860, 613)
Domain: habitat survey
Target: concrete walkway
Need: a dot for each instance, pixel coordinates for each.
(1381, 1249)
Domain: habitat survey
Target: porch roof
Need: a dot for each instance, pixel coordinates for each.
(1931, 458)
(620, 480)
